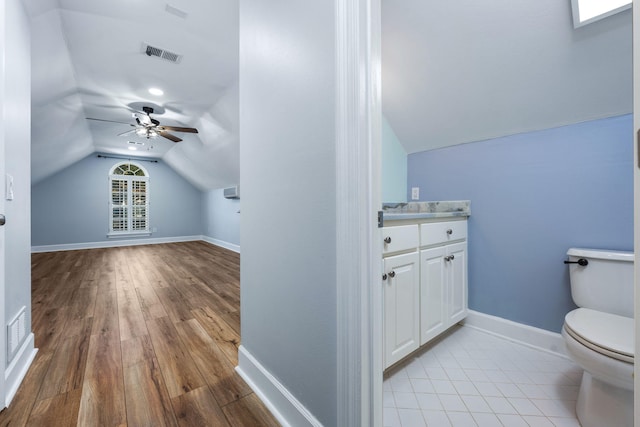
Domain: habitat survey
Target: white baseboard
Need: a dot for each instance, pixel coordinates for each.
(530, 336)
(113, 243)
(17, 369)
(275, 396)
(231, 246)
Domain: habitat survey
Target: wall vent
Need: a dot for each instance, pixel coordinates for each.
(16, 332)
(149, 50)
(232, 192)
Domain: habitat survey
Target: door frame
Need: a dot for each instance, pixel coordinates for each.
(358, 198)
(3, 84)
(636, 198)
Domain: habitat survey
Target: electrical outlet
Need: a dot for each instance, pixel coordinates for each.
(415, 193)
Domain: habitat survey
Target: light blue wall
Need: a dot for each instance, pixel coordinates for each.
(221, 217)
(533, 196)
(288, 189)
(394, 166)
(15, 140)
(71, 206)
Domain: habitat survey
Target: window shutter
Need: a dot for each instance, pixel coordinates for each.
(129, 200)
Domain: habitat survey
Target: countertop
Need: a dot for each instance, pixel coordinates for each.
(426, 210)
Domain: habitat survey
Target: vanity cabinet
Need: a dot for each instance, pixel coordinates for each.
(425, 283)
(443, 289)
(402, 306)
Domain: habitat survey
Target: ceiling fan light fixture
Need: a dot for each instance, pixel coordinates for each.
(156, 91)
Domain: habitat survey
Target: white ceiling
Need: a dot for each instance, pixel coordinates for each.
(88, 61)
(453, 72)
(469, 70)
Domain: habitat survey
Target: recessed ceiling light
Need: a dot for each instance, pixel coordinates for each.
(132, 148)
(155, 91)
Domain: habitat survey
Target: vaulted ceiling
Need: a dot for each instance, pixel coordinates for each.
(453, 72)
(468, 70)
(88, 60)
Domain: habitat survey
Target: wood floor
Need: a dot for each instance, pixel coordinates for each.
(136, 336)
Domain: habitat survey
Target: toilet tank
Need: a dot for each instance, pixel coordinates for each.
(606, 283)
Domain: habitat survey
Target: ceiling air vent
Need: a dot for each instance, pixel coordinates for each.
(161, 53)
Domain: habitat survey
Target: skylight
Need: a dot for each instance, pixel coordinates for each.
(588, 11)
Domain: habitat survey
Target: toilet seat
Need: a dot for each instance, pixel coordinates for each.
(608, 334)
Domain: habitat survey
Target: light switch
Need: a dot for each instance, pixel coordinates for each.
(9, 187)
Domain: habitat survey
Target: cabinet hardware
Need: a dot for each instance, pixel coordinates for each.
(392, 274)
(449, 232)
(583, 262)
(447, 258)
(452, 257)
(387, 240)
(384, 276)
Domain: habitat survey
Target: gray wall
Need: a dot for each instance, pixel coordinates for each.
(533, 196)
(288, 181)
(17, 138)
(221, 217)
(71, 206)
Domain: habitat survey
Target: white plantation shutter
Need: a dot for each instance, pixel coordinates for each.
(129, 200)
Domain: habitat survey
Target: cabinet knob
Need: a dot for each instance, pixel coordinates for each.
(384, 276)
(387, 239)
(451, 257)
(449, 231)
(392, 274)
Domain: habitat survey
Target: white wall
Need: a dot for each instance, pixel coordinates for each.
(221, 219)
(288, 181)
(16, 125)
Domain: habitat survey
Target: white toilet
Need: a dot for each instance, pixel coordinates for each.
(600, 335)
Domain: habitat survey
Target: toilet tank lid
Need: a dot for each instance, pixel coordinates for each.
(602, 254)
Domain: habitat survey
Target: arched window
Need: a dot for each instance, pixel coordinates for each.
(129, 199)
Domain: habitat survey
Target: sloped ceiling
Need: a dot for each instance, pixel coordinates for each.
(453, 72)
(468, 70)
(88, 61)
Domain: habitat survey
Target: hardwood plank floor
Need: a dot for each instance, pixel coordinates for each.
(136, 336)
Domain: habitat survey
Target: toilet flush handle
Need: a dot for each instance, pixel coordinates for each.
(581, 262)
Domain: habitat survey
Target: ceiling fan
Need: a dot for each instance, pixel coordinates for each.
(148, 127)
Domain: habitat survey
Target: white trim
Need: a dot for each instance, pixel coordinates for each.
(129, 162)
(121, 234)
(275, 396)
(16, 371)
(231, 246)
(112, 244)
(358, 123)
(540, 339)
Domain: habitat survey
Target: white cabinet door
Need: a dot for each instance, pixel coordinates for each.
(401, 306)
(433, 293)
(456, 271)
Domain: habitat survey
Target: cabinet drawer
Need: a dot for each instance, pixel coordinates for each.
(400, 238)
(442, 232)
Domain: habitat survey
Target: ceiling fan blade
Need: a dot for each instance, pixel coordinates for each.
(127, 132)
(169, 136)
(110, 121)
(179, 129)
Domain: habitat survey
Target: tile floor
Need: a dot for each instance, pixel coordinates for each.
(471, 378)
